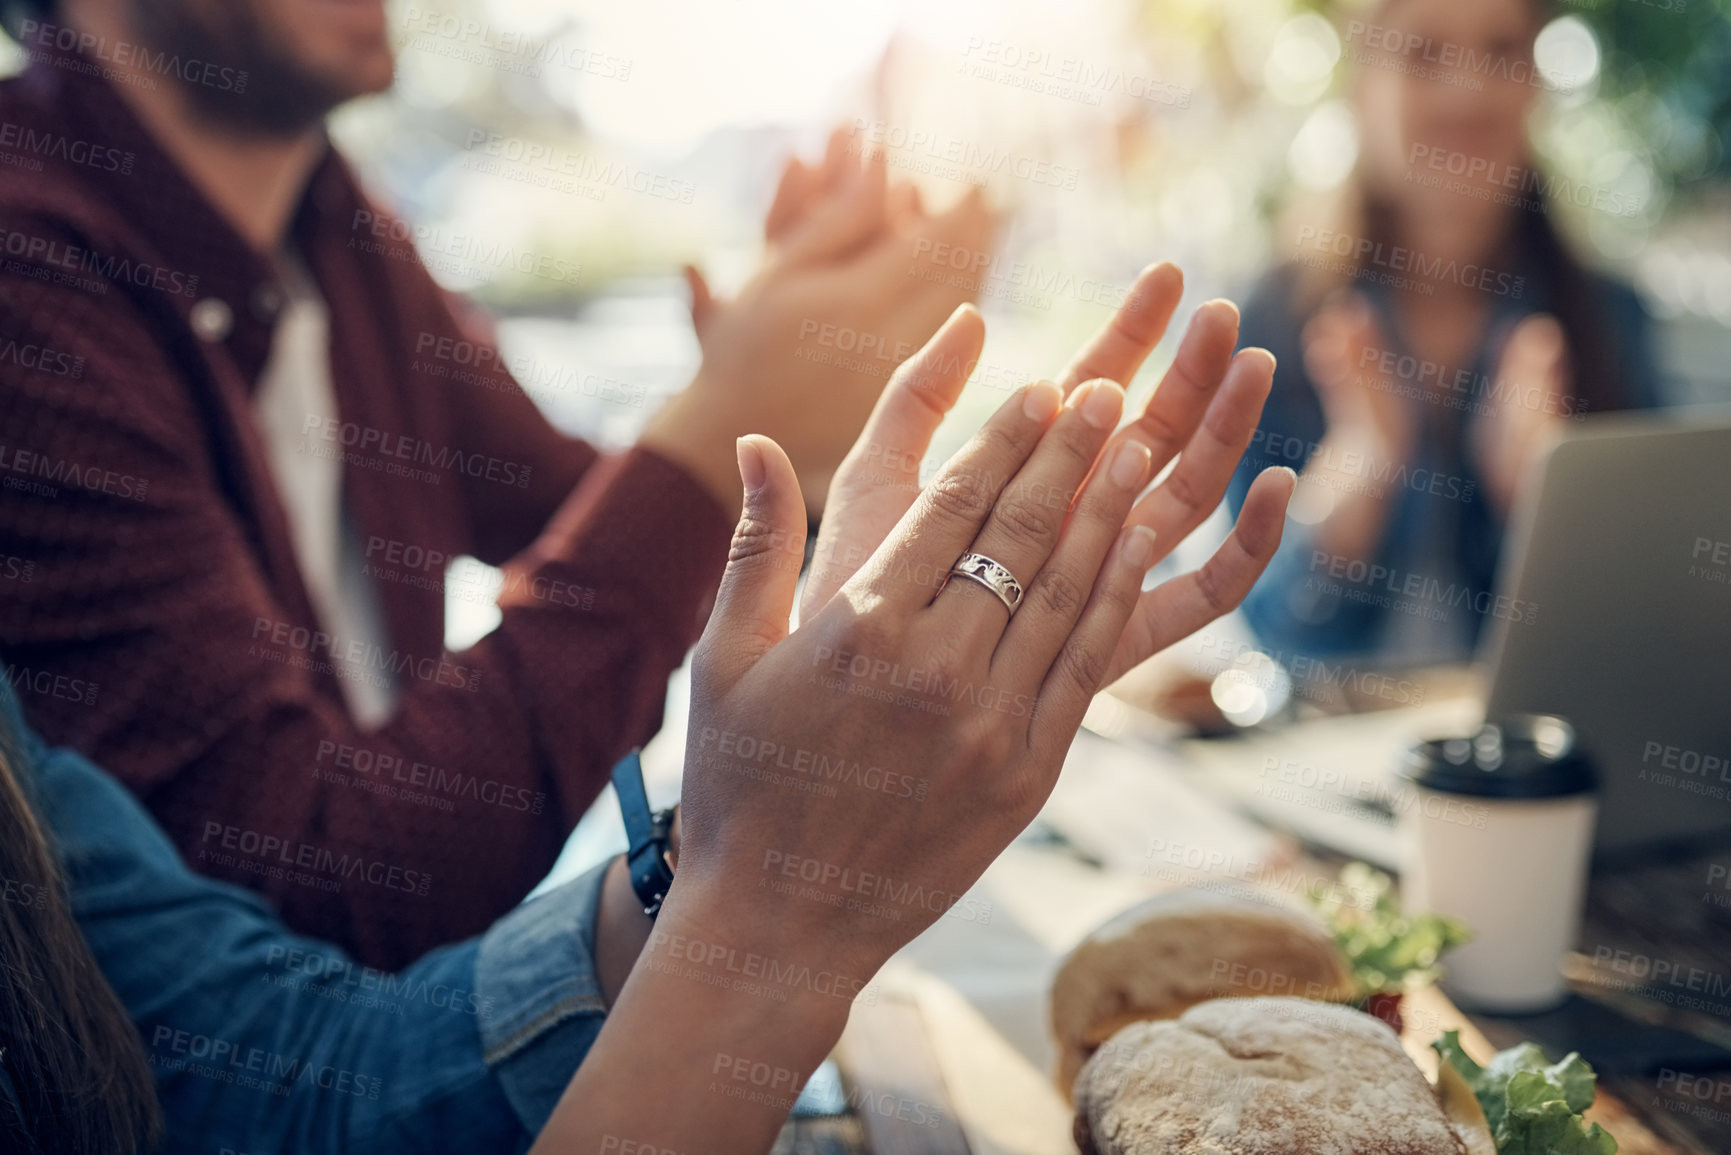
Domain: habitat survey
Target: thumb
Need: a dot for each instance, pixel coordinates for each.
(702, 303)
(756, 595)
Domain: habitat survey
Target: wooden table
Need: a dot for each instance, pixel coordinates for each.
(1655, 912)
(1666, 911)
(1107, 802)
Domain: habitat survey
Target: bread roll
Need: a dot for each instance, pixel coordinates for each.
(1163, 956)
(1275, 1076)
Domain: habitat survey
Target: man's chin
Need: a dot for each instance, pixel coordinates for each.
(287, 105)
(326, 53)
(371, 76)
(354, 17)
(275, 107)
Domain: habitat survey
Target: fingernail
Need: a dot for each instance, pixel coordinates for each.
(1101, 403)
(1219, 303)
(1130, 465)
(960, 311)
(1041, 402)
(1138, 547)
(750, 463)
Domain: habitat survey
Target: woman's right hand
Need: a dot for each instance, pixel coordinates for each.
(847, 782)
(903, 735)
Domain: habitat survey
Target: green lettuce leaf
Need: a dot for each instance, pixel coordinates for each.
(1533, 1107)
(1387, 948)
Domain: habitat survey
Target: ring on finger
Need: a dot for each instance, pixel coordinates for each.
(991, 574)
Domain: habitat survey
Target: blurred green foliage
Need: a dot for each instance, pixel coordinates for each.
(1672, 57)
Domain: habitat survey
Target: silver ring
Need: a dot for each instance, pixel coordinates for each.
(978, 567)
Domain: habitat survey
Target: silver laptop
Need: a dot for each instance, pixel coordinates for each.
(1624, 548)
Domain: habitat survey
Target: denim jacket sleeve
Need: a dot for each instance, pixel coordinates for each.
(264, 1041)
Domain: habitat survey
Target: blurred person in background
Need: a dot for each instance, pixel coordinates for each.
(243, 433)
(1434, 332)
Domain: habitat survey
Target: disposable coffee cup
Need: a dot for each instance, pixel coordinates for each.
(1498, 834)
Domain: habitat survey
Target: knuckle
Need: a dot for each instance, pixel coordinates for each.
(1024, 520)
(1140, 332)
(1082, 664)
(1092, 505)
(964, 494)
(997, 440)
(1037, 717)
(1056, 592)
(1157, 427)
(865, 634)
(920, 381)
(756, 539)
(1077, 440)
(987, 745)
(1215, 592)
(1181, 486)
(1121, 597)
(947, 662)
(944, 675)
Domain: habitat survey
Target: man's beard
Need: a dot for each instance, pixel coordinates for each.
(280, 98)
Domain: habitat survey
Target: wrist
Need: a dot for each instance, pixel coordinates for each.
(788, 969)
(699, 437)
(683, 1029)
(621, 931)
(756, 980)
(621, 925)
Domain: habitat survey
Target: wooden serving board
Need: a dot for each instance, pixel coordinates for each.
(1428, 1013)
(925, 1055)
(959, 1030)
(894, 1083)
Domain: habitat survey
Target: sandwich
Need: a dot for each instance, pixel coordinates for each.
(1263, 1076)
(1285, 1076)
(1162, 957)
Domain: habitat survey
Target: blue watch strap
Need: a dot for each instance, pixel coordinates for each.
(647, 835)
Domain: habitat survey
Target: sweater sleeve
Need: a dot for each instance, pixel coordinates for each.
(148, 635)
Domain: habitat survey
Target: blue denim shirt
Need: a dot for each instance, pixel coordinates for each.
(264, 1041)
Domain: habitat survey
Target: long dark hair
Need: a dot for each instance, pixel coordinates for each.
(73, 1058)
